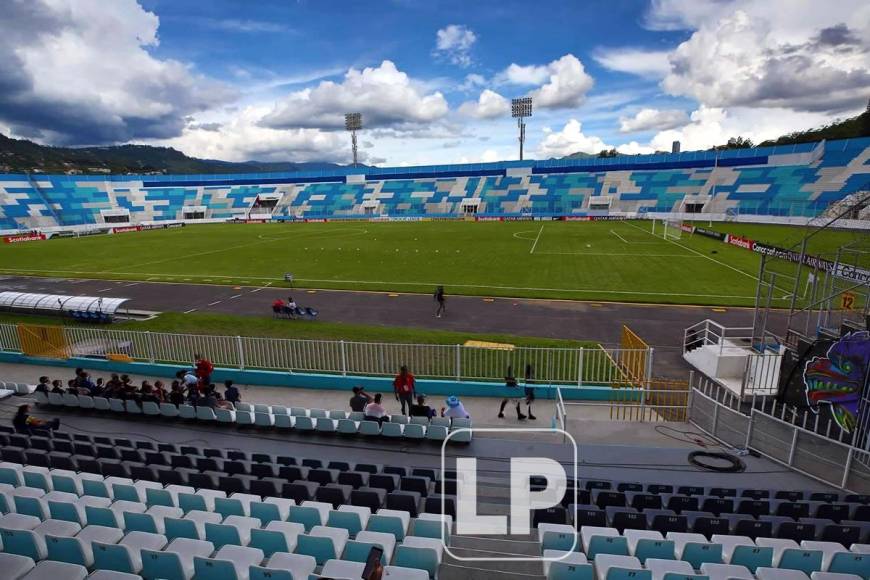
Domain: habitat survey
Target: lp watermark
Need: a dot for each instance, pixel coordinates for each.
(534, 483)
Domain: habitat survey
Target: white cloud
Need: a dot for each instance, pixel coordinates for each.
(488, 106)
(635, 148)
(570, 139)
(81, 72)
(516, 74)
(472, 81)
(384, 95)
(242, 138)
(566, 86)
(649, 119)
(637, 61)
(454, 42)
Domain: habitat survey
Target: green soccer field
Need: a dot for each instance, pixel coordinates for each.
(605, 260)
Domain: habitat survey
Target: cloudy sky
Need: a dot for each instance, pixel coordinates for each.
(433, 79)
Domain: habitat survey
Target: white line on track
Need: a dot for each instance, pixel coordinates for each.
(632, 254)
(189, 311)
(131, 284)
(215, 302)
(620, 237)
(234, 297)
(104, 289)
(532, 251)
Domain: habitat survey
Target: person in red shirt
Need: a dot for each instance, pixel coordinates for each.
(403, 386)
(204, 368)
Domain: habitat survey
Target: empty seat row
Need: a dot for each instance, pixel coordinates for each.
(269, 417)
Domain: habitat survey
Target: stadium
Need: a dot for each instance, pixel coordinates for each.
(647, 366)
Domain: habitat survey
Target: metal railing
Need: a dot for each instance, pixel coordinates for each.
(813, 454)
(708, 332)
(595, 365)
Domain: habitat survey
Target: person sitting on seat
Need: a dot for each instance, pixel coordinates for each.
(99, 387)
(359, 400)
(231, 392)
(421, 409)
(455, 409)
(25, 423)
(72, 389)
(43, 385)
(176, 395)
(146, 395)
(56, 387)
(374, 411)
(160, 391)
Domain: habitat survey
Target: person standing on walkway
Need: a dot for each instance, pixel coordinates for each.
(439, 298)
(404, 386)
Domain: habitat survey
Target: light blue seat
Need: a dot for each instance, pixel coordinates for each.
(391, 429)
(607, 545)
(187, 411)
(11, 474)
(298, 412)
(560, 537)
(192, 525)
(228, 506)
(337, 414)
(264, 419)
(267, 512)
(356, 416)
(436, 433)
(284, 421)
(317, 413)
(102, 404)
(56, 400)
(132, 407)
(30, 506)
(420, 421)
(307, 516)
(619, 567)
(695, 549)
(280, 410)
(355, 551)
(753, 557)
(347, 520)
(23, 543)
(573, 567)
(807, 561)
(78, 549)
(276, 537)
(86, 402)
(322, 543)
(234, 531)
(413, 431)
(326, 425)
(304, 423)
(388, 524)
(66, 481)
(850, 563)
(169, 410)
(70, 400)
(400, 419)
(226, 416)
(433, 528)
(204, 413)
(230, 563)
(369, 428)
(142, 522)
(96, 488)
(149, 408)
(262, 408)
(175, 562)
(72, 511)
(116, 405)
(419, 553)
(244, 418)
(347, 426)
(37, 477)
(645, 544)
(126, 555)
(154, 496)
(202, 500)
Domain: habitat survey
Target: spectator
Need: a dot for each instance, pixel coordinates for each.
(43, 385)
(278, 306)
(98, 389)
(71, 388)
(204, 368)
(374, 411)
(114, 382)
(455, 408)
(24, 422)
(209, 398)
(160, 391)
(440, 300)
(147, 394)
(359, 400)
(188, 379)
(231, 392)
(56, 387)
(403, 386)
(421, 409)
(126, 381)
(290, 307)
(176, 395)
(83, 382)
(222, 403)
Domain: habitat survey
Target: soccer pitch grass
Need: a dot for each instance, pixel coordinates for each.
(604, 260)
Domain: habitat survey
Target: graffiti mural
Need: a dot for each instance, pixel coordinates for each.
(838, 377)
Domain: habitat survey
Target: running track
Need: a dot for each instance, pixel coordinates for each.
(661, 326)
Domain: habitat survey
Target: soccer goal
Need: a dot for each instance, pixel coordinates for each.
(669, 229)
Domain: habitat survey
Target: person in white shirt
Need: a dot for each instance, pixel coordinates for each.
(455, 409)
(374, 411)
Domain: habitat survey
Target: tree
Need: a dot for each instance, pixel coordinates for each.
(736, 143)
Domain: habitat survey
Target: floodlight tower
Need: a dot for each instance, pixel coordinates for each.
(353, 123)
(520, 109)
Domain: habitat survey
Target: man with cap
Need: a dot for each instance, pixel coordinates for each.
(455, 409)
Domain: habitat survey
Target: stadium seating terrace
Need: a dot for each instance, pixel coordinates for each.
(796, 180)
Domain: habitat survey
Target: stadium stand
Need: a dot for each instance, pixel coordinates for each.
(74, 504)
(794, 180)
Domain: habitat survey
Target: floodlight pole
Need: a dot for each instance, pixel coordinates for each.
(520, 109)
(353, 123)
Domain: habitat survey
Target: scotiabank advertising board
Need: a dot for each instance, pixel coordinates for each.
(740, 242)
(18, 238)
(125, 229)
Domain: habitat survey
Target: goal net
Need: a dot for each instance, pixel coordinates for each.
(669, 229)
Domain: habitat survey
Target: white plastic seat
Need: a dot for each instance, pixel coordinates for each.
(788, 554)
(186, 412)
(780, 574)
(204, 413)
(322, 542)
(230, 562)
(126, 555)
(276, 537)
(50, 570)
(298, 565)
(560, 537)
(78, 549)
(168, 410)
(112, 575)
(644, 544)
(149, 408)
(828, 550)
(834, 576)
(86, 402)
(604, 563)
(726, 572)
(264, 419)
(558, 565)
(695, 549)
(284, 421)
(14, 566)
(659, 568)
(386, 541)
(225, 415)
(176, 560)
(102, 404)
(423, 553)
(203, 499)
(598, 539)
(399, 573)
(192, 525)
(235, 530)
(342, 569)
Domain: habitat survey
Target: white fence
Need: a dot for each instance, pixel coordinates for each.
(812, 454)
(578, 366)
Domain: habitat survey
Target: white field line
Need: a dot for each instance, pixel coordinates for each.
(425, 283)
(632, 254)
(620, 237)
(540, 231)
(215, 302)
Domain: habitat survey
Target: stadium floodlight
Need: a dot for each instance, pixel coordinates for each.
(520, 109)
(353, 123)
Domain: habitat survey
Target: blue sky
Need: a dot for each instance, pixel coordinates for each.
(270, 79)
